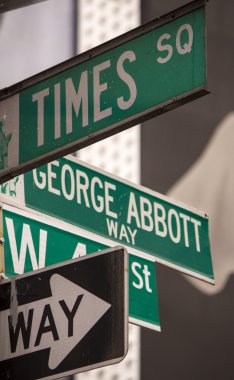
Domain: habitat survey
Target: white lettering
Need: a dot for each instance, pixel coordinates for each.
(187, 47)
(57, 114)
(82, 187)
(79, 251)
(112, 227)
(147, 275)
(52, 175)
(175, 236)
(146, 212)
(98, 88)
(26, 245)
(196, 224)
(69, 195)
(141, 283)
(75, 99)
(185, 219)
(165, 47)
(109, 199)
(125, 104)
(39, 98)
(98, 207)
(132, 234)
(123, 233)
(160, 220)
(41, 185)
(132, 211)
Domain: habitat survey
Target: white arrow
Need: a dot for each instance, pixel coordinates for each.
(58, 322)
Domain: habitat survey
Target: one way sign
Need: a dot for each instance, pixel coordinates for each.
(66, 319)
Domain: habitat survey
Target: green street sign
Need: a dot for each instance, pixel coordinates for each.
(34, 241)
(150, 224)
(141, 74)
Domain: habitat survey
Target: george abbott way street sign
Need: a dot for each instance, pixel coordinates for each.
(150, 224)
(145, 72)
(65, 319)
(34, 241)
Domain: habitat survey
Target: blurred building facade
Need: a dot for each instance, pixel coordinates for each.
(188, 153)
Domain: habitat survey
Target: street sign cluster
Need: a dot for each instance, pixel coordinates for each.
(64, 305)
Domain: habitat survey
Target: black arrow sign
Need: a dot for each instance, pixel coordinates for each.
(65, 319)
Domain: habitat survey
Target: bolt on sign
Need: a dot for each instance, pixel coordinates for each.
(35, 241)
(138, 75)
(150, 224)
(65, 319)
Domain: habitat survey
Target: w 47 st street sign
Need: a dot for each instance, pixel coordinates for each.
(66, 319)
(34, 241)
(138, 75)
